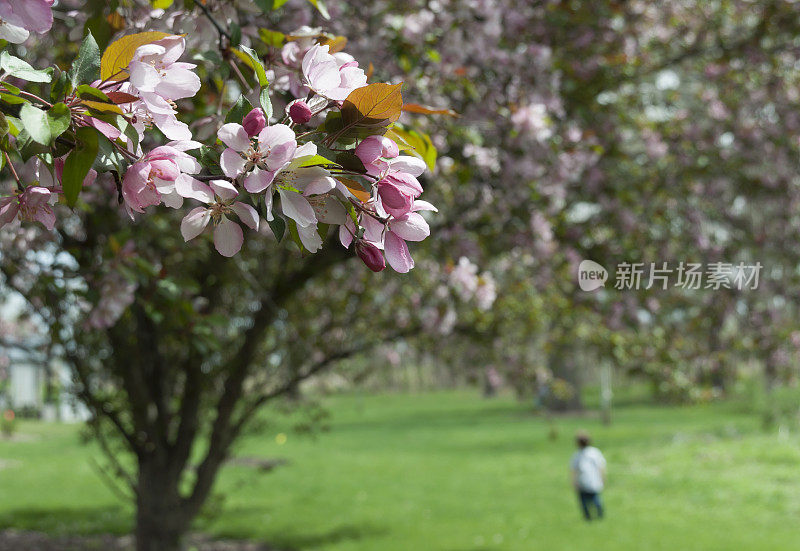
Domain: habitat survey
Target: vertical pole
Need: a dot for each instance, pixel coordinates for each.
(605, 392)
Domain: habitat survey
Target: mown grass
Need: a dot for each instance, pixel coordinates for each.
(453, 472)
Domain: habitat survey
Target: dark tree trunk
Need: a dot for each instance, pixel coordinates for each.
(564, 366)
(161, 521)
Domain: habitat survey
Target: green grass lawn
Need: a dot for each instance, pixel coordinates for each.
(453, 472)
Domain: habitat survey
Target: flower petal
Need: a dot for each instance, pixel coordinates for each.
(232, 163)
(397, 254)
(258, 180)
(309, 237)
(408, 164)
(224, 189)
(297, 207)
(189, 187)
(411, 227)
(194, 223)
(247, 214)
(228, 237)
(235, 136)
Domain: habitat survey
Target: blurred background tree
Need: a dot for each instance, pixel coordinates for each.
(612, 131)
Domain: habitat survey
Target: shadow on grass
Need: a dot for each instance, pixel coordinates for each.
(69, 521)
(307, 537)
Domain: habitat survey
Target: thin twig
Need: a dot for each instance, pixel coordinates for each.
(222, 32)
(13, 171)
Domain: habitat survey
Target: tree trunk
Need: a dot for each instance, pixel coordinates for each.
(160, 518)
(565, 369)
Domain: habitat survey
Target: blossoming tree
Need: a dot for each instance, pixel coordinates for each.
(124, 226)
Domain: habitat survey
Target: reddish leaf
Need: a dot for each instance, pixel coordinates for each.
(425, 110)
(121, 97)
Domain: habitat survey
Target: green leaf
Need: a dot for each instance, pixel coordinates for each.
(266, 103)
(109, 158)
(85, 91)
(278, 227)
(250, 58)
(15, 67)
(12, 100)
(237, 113)
(87, 65)
(4, 126)
(11, 88)
(78, 163)
(274, 39)
(350, 161)
(418, 142)
(27, 147)
(45, 126)
(14, 125)
(161, 4)
(61, 87)
(208, 157)
(317, 160)
(100, 29)
(320, 8)
(236, 34)
(269, 5)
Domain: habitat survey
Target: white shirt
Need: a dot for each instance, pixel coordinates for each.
(588, 465)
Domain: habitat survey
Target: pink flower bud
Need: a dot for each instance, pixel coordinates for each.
(300, 112)
(254, 122)
(370, 255)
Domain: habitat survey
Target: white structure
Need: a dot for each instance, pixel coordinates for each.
(27, 382)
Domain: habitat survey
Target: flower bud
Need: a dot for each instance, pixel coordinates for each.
(254, 122)
(370, 255)
(300, 112)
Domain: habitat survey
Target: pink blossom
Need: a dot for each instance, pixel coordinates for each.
(370, 255)
(261, 160)
(399, 186)
(299, 112)
(409, 227)
(158, 77)
(254, 122)
(219, 197)
(306, 197)
(329, 76)
(19, 17)
(375, 150)
(533, 119)
(391, 233)
(30, 205)
(152, 180)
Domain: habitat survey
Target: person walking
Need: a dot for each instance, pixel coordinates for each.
(588, 468)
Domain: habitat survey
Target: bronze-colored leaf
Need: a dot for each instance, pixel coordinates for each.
(355, 188)
(334, 43)
(425, 110)
(121, 98)
(374, 105)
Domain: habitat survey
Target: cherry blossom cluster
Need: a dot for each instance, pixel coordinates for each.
(469, 285)
(276, 168)
(18, 18)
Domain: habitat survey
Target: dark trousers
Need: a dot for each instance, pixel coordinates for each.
(589, 500)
